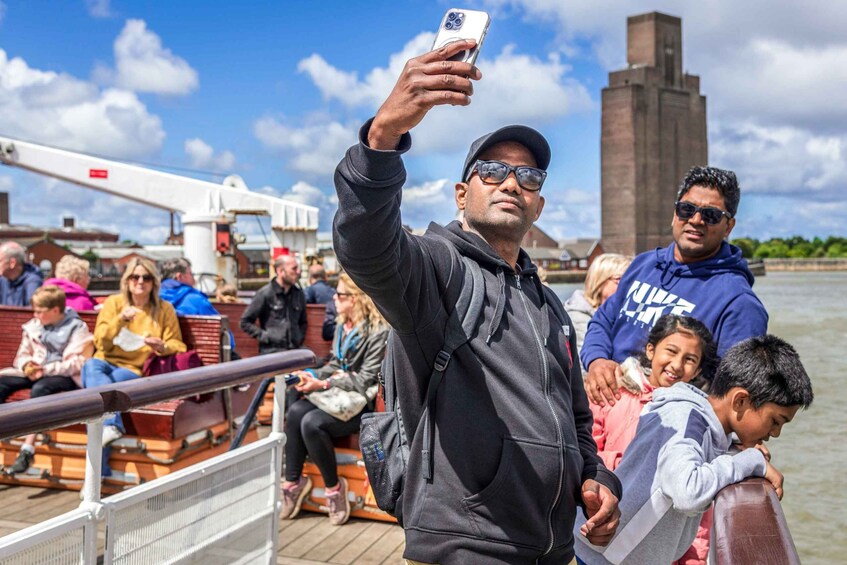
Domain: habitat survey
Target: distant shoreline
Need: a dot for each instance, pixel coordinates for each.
(820, 264)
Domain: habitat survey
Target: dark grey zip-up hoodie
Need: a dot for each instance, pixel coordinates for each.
(512, 424)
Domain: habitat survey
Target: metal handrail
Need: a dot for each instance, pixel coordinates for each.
(750, 527)
(48, 412)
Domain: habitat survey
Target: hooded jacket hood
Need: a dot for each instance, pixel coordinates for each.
(717, 291)
(729, 259)
(474, 247)
(76, 297)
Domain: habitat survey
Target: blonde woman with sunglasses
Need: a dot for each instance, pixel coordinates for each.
(132, 325)
(601, 282)
(357, 353)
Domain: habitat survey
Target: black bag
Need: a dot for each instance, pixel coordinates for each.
(382, 437)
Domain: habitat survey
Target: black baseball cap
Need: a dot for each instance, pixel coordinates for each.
(524, 135)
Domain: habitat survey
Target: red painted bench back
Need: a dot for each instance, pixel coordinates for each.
(201, 333)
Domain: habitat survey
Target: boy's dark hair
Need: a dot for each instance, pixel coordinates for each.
(723, 181)
(670, 324)
(768, 368)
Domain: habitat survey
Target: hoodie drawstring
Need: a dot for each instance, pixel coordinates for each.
(499, 307)
(545, 313)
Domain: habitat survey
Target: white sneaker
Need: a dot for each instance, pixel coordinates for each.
(110, 434)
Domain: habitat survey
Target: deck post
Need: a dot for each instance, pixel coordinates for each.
(278, 433)
(93, 468)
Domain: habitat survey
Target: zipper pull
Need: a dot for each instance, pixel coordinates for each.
(518, 281)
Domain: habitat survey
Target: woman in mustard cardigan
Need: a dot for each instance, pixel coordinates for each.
(131, 326)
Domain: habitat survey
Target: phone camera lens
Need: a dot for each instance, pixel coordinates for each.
(448, 25)
(452, 16)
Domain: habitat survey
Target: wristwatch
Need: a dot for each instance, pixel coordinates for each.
(326, 384)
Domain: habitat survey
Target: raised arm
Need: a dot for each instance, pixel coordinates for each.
(368, 235)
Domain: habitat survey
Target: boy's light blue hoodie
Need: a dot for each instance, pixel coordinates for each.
(670, 474)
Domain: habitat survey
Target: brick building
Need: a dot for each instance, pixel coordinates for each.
(653, 130)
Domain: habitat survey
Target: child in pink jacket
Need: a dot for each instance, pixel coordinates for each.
(679, 349)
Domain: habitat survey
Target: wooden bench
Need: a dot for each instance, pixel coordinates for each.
(161, 438)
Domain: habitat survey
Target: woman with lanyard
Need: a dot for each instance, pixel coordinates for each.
(353, 368)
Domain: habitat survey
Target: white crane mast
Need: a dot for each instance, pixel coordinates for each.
(204, 205)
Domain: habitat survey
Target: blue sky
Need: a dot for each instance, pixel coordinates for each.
(275, 92)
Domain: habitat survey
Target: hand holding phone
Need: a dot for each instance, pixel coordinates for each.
(459, 24)
(292, 379)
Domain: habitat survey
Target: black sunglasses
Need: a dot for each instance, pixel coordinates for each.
(495, 172)
(145, 278)
(711, 216)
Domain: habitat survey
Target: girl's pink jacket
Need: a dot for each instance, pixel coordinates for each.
(614, 426)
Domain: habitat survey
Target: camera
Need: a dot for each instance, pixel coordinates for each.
(454, 20)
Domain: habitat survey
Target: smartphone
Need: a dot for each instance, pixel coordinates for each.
(459, 24)
(291, 380)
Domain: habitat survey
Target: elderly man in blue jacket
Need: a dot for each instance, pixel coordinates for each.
(18, 279)
(178, 289)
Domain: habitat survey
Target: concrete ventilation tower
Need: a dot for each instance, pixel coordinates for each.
(653, 131)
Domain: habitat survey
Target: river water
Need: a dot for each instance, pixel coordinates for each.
(808, 311)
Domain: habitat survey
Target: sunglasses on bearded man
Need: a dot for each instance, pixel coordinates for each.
(711, 216)
(495, 172)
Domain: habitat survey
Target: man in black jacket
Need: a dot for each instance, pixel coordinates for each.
(513, 453)
(279, 307)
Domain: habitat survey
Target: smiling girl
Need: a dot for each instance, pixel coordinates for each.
(679, 349)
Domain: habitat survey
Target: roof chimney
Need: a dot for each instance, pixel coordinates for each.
(4, 207)
(68, 222)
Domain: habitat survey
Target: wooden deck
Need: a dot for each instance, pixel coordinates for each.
(307, 540)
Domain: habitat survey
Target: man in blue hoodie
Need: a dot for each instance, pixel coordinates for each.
(18, 279)
(699, 275)
(178, 289)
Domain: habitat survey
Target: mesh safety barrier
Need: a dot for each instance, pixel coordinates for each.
(66, 540)
(220, 511)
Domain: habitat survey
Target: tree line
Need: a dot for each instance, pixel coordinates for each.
(795, 247)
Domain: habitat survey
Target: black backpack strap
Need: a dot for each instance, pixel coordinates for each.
(460, 326)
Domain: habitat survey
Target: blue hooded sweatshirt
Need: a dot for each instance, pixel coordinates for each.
(717, 291)
(188, 301)
(19, 291)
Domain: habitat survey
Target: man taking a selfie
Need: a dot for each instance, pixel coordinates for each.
(512, 455)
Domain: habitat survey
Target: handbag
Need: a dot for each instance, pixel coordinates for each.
(342, 404)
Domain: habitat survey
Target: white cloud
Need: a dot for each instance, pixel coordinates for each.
(377, 84)
(780, 64)
(782, 160)
(570, 213)
(59, 109)
(315, 148)
(203, 156)
(99, 8)
(550, 94)
(144, 65)
(305, 193)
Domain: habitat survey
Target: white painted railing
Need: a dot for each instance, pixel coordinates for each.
(224, 510)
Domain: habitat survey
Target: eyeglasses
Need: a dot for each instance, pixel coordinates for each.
(343, 294)
(145, 278)
(495, 172)
(711, 216)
